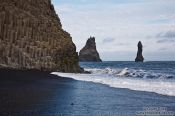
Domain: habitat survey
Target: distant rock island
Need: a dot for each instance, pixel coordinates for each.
(139, 57)
(31, 37)
(89, 53)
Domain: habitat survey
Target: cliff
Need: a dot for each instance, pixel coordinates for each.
(89, 53)
(139, 57)
(31, 37)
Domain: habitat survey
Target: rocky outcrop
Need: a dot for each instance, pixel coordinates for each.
(139, 57)
(31, 37)
(89, 53)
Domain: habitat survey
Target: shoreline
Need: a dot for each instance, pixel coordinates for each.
(42, 94)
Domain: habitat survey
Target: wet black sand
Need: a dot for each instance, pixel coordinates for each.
(35, 93)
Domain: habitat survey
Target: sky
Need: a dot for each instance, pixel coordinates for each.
(118, 25)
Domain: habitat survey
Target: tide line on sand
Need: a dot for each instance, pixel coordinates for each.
(160, 86)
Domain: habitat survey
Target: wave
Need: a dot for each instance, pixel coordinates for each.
(126, 72)
(114, 78)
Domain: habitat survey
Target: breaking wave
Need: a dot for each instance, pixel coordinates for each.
(126, 72)
(139, 80)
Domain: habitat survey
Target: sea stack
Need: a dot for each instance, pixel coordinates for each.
(31, 37)
(89, 53)
(139, 57)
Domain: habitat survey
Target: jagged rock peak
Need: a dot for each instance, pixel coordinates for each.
(91, 43)
(31, 37)
(89, 53)
(139, 57)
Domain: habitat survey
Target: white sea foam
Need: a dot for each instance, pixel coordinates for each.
(126, 72)
(112, 77)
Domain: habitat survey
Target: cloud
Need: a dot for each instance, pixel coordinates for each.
(108, 40)
(166, 37)
(163, 49)
(169, 34)
(166, 41)
(123, 44)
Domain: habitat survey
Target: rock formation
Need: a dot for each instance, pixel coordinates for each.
(89, 52)
(31, 37)
(139, 57)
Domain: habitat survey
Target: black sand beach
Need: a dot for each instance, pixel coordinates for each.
(35, 93)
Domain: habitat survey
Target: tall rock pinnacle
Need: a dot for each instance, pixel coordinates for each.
(89, 53)
(139, 57)
(31, 37)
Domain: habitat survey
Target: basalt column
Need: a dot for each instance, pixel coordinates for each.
(31, 37)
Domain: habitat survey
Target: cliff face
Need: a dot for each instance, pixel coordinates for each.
(89, 53)
(139, 57)
(31, 37)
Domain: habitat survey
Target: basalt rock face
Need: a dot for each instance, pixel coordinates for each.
(31, 37)
(139, 57)
(89, 53)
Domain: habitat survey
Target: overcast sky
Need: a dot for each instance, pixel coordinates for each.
(118, 25)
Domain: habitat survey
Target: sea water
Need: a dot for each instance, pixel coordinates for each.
(158, 77)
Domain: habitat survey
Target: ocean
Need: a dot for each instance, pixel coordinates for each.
(112, 89)
(157, 77)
